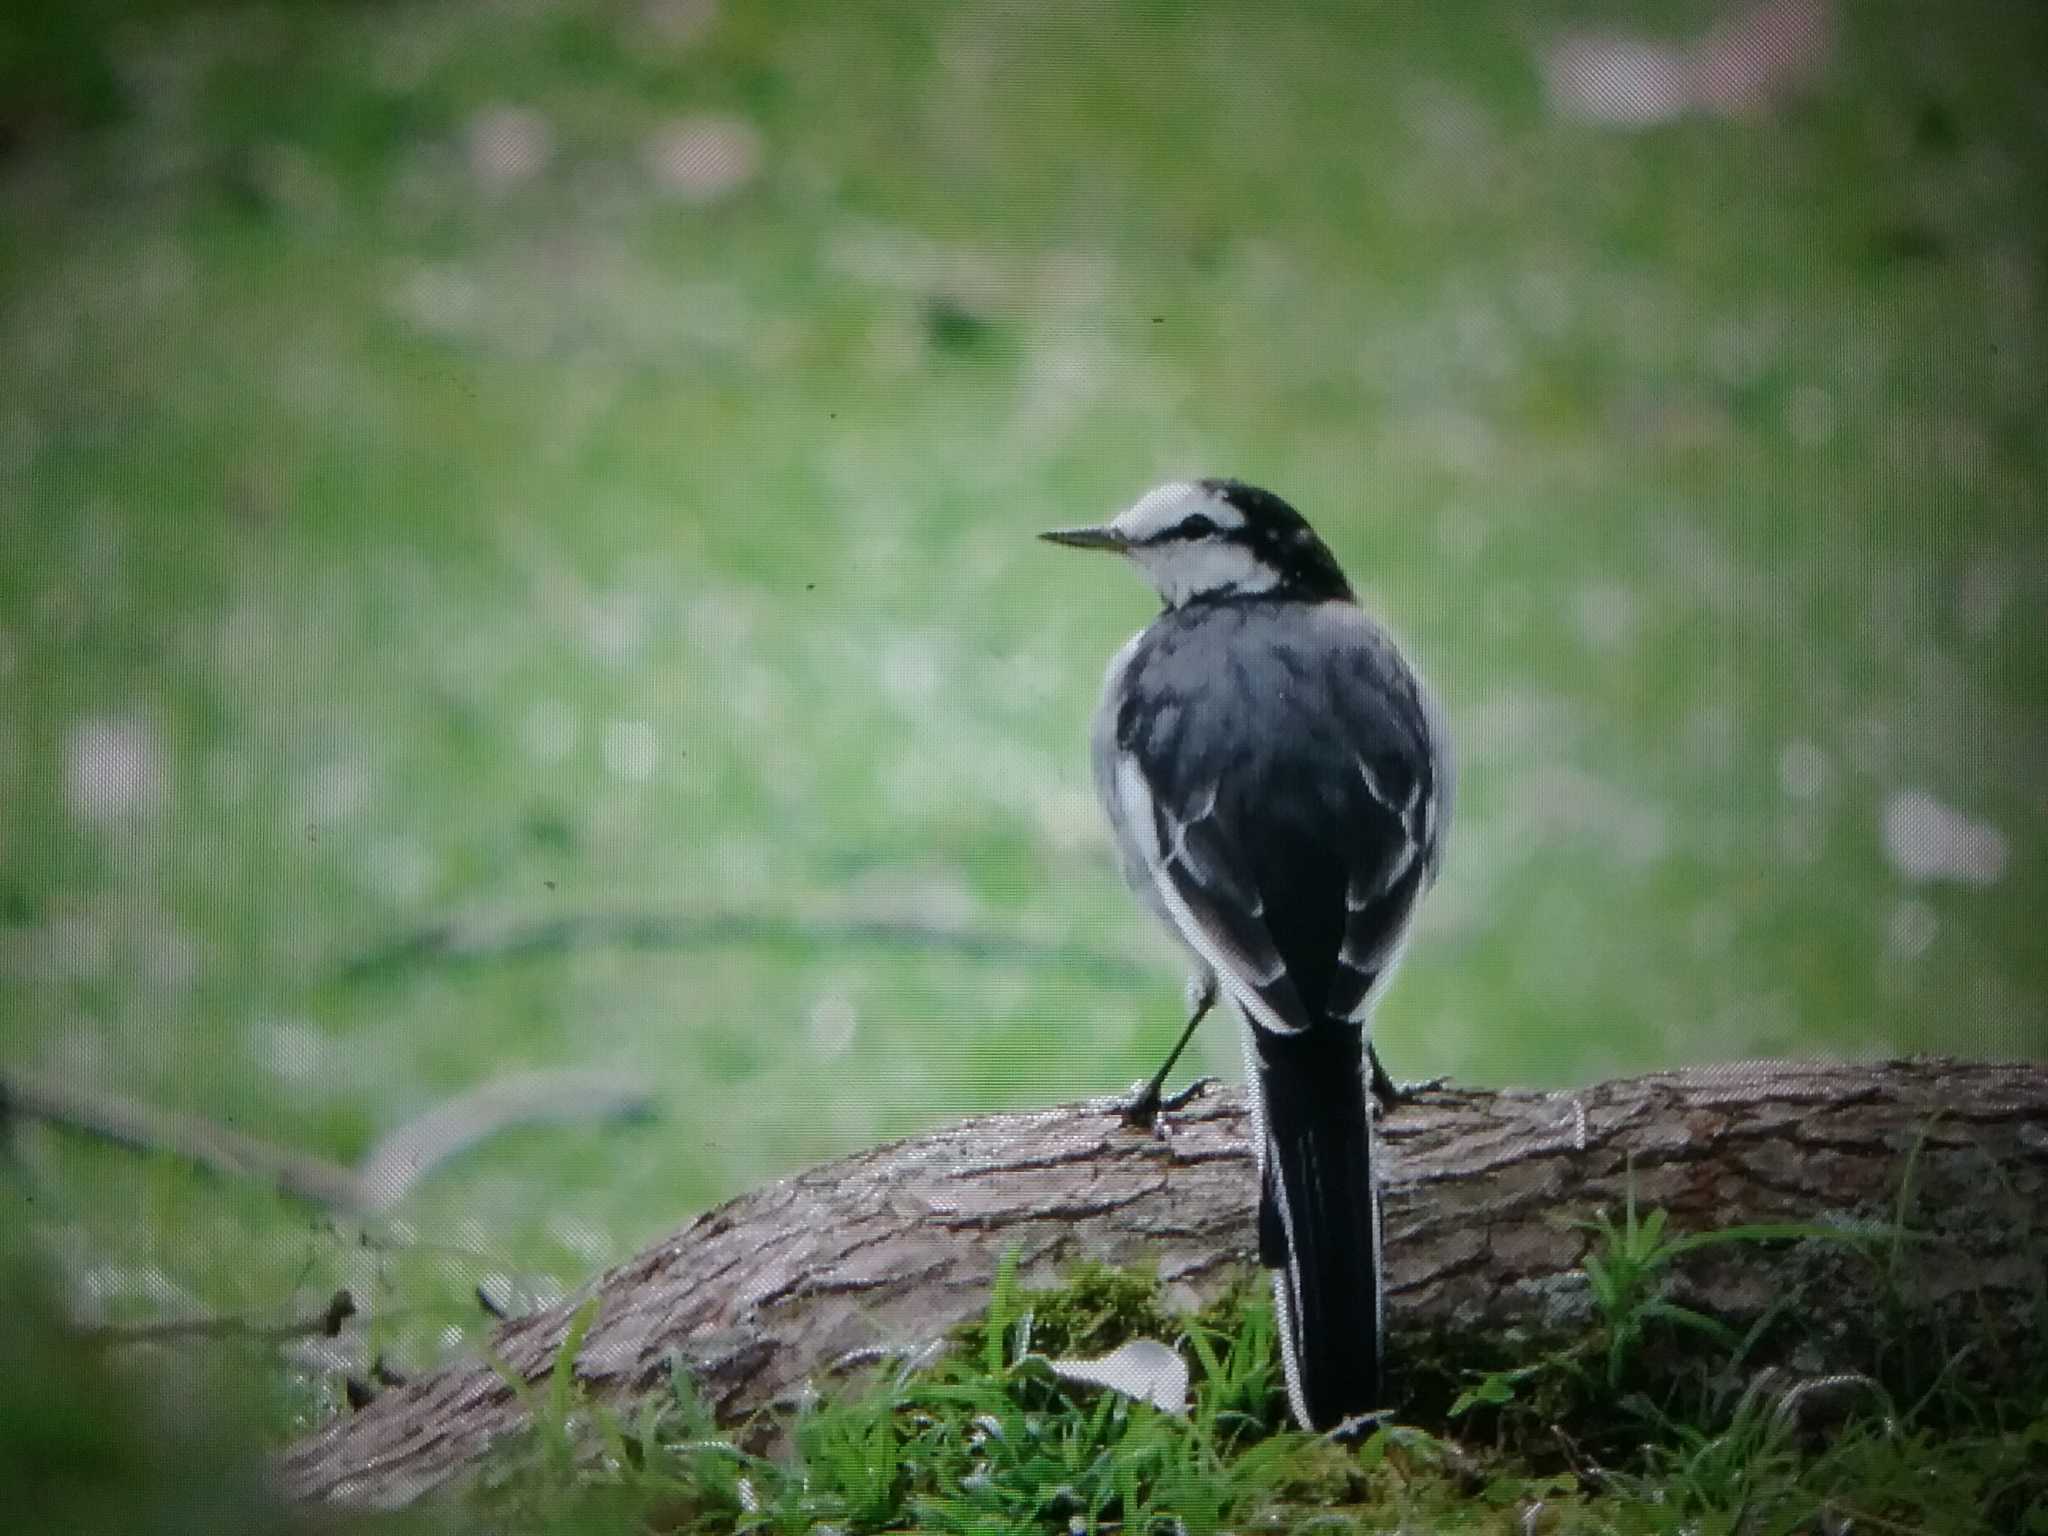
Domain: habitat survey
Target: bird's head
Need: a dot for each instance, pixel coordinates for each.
(1217, 539)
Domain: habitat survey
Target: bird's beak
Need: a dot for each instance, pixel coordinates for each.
(1104, 537)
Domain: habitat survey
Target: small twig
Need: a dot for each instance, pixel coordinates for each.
(324, 1323)
(394, 1165)
(501, 937)
(1590, 1474)
(398, 1162)
(146, 1128)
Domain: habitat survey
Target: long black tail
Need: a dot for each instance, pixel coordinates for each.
(1319, 1219)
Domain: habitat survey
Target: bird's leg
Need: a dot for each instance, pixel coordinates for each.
(1392, 1094)
(1384, 1088)
(1143, 1107)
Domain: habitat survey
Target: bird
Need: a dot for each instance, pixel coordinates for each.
(1277, 783)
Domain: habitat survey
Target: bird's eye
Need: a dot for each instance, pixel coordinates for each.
(1197, 527)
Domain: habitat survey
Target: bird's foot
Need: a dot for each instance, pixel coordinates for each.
(1355, 1428)
(1141, 1111)
(1393, 1095)
(1404, 1092)
(1141, 1106)
(1188, 1095)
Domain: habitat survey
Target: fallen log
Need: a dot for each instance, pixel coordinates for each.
(884, 1250)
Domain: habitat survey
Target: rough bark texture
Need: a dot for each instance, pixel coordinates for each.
(890, 1247)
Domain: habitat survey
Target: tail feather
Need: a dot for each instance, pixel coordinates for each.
(1319, 1219)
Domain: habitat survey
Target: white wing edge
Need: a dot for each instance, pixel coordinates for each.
(1136, 798)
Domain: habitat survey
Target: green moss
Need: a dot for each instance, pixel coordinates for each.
(1092, 1310)
(981, 1442)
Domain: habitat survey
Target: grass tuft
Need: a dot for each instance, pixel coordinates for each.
(989, 1439)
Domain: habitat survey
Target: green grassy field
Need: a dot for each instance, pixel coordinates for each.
(507, 463)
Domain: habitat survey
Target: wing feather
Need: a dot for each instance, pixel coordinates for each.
(1218, 913)
(1278, 779)
(1380, 897)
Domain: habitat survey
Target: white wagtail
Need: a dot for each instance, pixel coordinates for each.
(1278, 786)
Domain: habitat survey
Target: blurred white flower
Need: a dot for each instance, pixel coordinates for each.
(679, 23)
(1605, 612)
(703, 159)
(441, 298)
(1927, 840)
(1753, 58)
(296, 1050)
(1623, 82)
(832, 1024)
(508, 145)
(1803, 770)
(631, 750)
(113, 766)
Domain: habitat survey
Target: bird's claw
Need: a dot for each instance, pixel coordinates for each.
(1188, 1095)
(1347, 1431)
(1141, 1106)
(1393, 1095)
(1421, 1085)
(1141, 1111)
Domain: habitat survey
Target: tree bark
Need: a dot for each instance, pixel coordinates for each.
(885, 1250)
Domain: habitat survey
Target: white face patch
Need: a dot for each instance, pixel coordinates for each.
(1168, 506)
(1183, 568)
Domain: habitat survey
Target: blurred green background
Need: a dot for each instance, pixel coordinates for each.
(472, 468)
